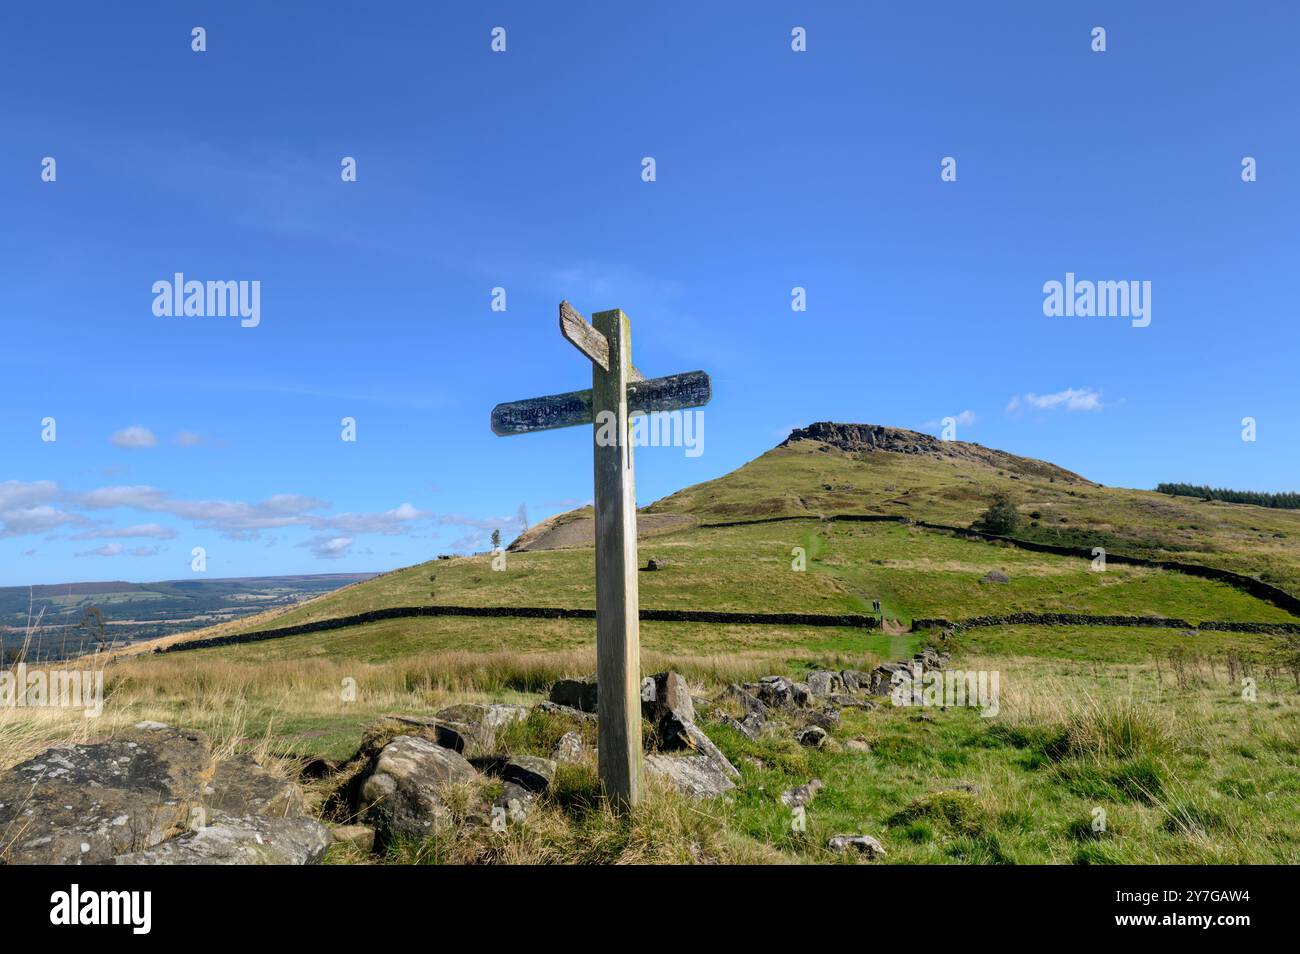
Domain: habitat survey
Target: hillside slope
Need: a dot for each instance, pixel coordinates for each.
(837, 469)
(719, 548)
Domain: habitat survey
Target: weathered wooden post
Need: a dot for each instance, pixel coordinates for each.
(618, 623)
(618, 391)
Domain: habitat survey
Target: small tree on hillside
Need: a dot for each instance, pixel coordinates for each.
(496, 539)
(1001, 518)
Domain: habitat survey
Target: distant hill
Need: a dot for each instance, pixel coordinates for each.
(134, 611)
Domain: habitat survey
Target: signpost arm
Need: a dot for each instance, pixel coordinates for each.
(618, 636)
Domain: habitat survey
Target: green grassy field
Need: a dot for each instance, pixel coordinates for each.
(1149, 727)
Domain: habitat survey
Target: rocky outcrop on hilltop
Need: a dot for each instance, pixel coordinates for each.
(870, 438)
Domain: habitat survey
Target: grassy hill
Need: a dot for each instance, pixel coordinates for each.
(1150, 724)
(914, 572)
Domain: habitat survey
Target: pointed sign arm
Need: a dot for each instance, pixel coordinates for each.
(579, 333)
(671, 393)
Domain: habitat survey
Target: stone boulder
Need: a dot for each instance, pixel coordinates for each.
(565, 712)
(240, 786)
(778, 692)
(471, 728)
(153, 795)
(801, 694)
(696, 776)
(530, 772)
(403, 792)
(515, 803)
(863, 844)
(666, 694)
(749, 703)
(929, 659)
(86, 803)
(570, 749)
(827, 718)
(361, 837)
(240, 840)
(855, 680)
(824, 682)
(813, 737)
(751, 727)
(676, 734)
(801, 794)
(575, 693)
(882, 677)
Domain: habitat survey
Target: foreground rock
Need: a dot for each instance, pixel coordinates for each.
(84, 804)
(697, 776)
(514, 804)
(855, 680)
(240, 786)
(471, 728)
(813, 737)
(577, 694)
(570, 749)
(778, 692)
(751, 727)
(530, 772)
(575, 716)
(666, 694)
(241, 840)
(153, 795)
(749, 703)
(802, 794)
(361, 837)
(404, 792)
(676, 734)
(824, 682)
(863, 844)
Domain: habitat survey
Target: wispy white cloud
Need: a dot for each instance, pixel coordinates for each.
(1070, 399)
(154, 530)
(42, 506)
(26, 507)
(17, 493)
(469, 542)
(963, 419)
(107, 550)
(133, 438)
(483, 523)
(326, 547)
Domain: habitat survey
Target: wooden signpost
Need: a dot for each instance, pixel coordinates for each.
(618, 391)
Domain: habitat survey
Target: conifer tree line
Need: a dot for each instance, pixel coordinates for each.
(1287, 501)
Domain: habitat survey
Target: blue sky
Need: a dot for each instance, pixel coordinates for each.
(522, 170)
